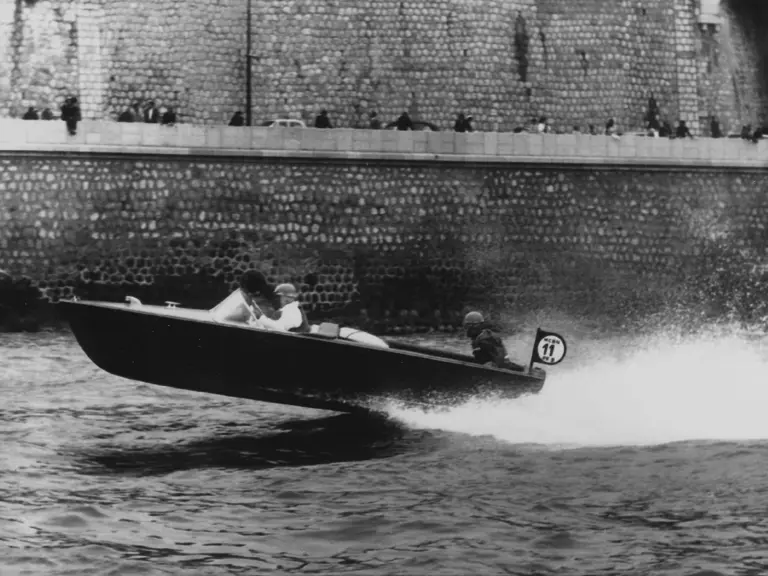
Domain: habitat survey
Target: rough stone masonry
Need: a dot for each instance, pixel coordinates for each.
(577, 62)
(398, 244)
(394, 245)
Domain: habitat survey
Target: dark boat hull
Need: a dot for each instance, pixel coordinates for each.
(166, 348)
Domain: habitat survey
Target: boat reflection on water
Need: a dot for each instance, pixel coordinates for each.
(300, 442)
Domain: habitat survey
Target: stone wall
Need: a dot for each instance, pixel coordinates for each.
(394, 244)
(577, 62)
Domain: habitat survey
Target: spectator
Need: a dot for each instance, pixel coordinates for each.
(404, 122)
(375, 123)
(746, 132)
(47, 114)
(714, 128)
(30, 114)
(322, 120)
(682, 130)
(70, 113)
(462, 124)
(542, 127)
(610, 127)
(151, 115)
(237, 119)
(169, 118)
(576, 129)
(592, 130)
(654, 126)
(131, 114)
(666, 130)
(653, 109)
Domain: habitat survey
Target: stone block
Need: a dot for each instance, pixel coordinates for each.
(344, 138)
(110, 133)
(506, 144)
(361, 140)
(675, 149)
(170, 137)
(583, 145)
(389, 139)
(292, 137)
(420, 142)
(447, 142)
(213, 136)
(130, 133)
(598, 146)
(717, 148)
(613, 146)
(762, 152)
(258, 137)
(275, 138)
(50, 132)
(691, 148)
(565, 145)
(748, 152)
(235, 137)
(460, 143)
(376, 138)
(734, 148)
(522, 144)
(490, 143)
(317, 139)
(13, 131)
(190, 135)
(151, 135)
(627, 146)
(661, 148)
(434, 142)
(475, 143)
(542, 144)
(405, 140)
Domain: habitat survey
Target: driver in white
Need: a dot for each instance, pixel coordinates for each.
(289, 318)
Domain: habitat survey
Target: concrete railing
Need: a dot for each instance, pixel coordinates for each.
(186, 139)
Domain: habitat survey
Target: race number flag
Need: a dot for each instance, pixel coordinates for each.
(548, 348)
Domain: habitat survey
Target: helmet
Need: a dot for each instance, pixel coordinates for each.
(287, 290)
(473, 318)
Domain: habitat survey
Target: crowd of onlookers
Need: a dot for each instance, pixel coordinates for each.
(69, 113)
(655, 125)
(149, 113)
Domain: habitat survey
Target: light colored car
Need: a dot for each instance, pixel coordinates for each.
(286, 123)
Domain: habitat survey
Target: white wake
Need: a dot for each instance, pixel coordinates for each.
(641, 393)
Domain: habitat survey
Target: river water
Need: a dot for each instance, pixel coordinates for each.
(640, 456)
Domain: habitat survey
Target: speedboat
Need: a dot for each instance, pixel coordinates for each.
(332, 367)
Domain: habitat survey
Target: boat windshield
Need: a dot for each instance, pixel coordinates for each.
(232, 308)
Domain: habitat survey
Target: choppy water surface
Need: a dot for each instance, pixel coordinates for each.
(639, 457)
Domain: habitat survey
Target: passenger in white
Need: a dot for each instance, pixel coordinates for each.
(289, 318)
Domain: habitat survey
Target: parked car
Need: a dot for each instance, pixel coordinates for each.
(285, 122)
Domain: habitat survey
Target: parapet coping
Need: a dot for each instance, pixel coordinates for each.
(378, 156)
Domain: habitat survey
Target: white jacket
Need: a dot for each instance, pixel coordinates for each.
(290, 317)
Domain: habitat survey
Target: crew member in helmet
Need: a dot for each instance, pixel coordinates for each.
(487, 348)
(290, 317)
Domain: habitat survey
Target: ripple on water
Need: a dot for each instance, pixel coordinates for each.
(99, 475)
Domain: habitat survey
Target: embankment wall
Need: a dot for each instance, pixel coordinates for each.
(404, 239)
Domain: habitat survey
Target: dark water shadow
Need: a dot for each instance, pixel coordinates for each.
(340, 438)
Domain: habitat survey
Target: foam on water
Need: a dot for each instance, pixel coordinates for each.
(629, 393)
